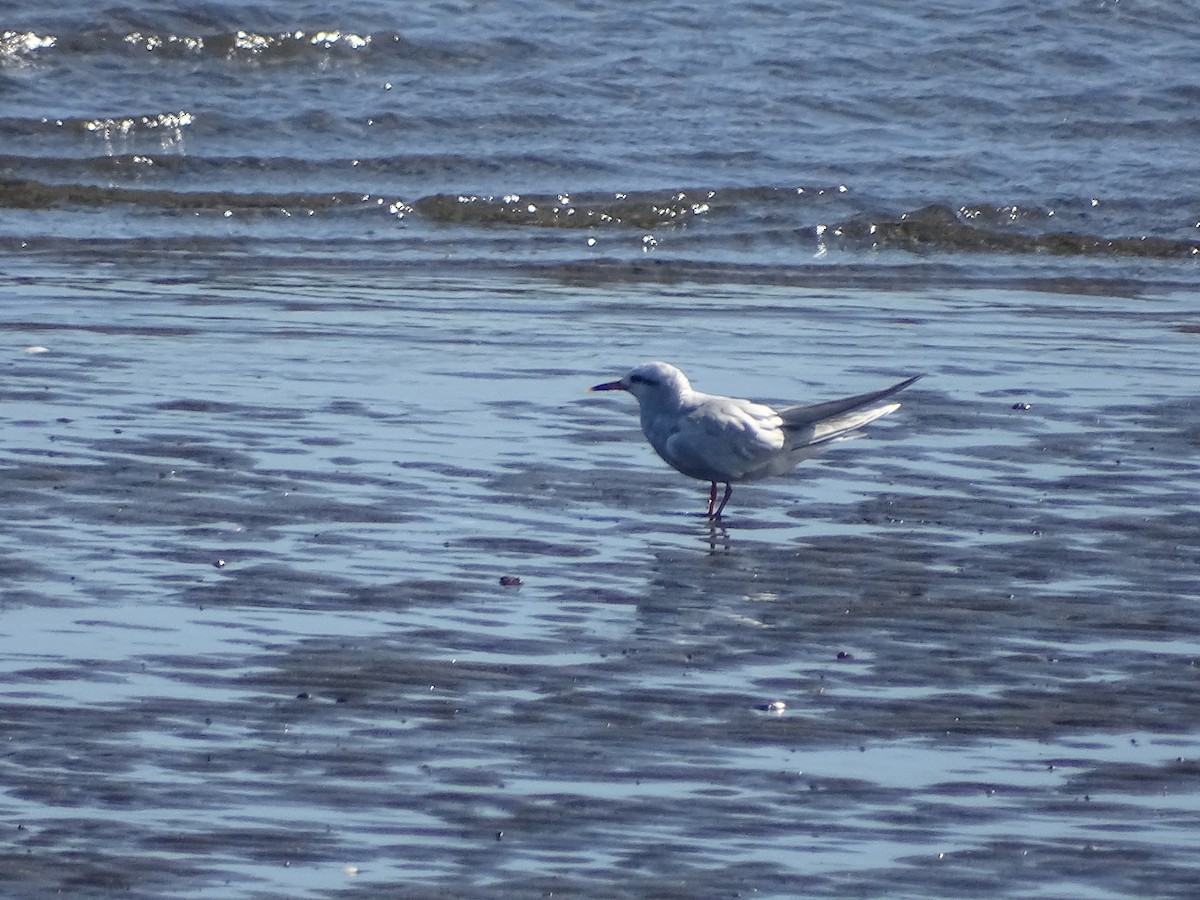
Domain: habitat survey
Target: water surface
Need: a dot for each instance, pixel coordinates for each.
(254, 617)
(298, 310)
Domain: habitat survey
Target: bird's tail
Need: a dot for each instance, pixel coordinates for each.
(836, 420)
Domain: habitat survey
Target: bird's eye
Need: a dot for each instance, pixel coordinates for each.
(640, 379)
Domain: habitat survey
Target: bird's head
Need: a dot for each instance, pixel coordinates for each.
(656, 382)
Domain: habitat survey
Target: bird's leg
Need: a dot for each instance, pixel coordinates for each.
(724, 500)
(712, 499)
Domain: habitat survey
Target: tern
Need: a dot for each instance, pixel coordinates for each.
(724, 440)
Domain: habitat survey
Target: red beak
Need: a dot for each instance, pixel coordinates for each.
(609, 386)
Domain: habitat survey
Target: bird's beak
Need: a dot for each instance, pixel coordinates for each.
(609, 386)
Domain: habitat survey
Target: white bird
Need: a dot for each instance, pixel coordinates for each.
(723, 439)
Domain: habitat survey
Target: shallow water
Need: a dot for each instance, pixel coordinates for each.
(299, 307)
(255, 642)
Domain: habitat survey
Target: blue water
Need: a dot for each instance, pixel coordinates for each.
(970, 141)
(300, 305)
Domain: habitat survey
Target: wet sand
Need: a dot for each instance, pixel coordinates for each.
(255, 640)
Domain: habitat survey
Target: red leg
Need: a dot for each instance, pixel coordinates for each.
(712, 499)
(724, 500)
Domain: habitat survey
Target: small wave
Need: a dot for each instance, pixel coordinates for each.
(561, 211)
(36, 195)
(252, 44)
(938, 228)
(167, 128)
(247, 45)
(161, 131)
(745, 215)
(932, 229)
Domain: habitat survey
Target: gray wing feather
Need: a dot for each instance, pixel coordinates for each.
(820, 423)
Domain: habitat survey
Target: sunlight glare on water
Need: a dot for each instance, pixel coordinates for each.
(323, 573)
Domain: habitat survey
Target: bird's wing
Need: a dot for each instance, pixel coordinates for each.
(820, 423)
(723, 439)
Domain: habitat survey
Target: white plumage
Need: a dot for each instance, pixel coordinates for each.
(726, 440)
